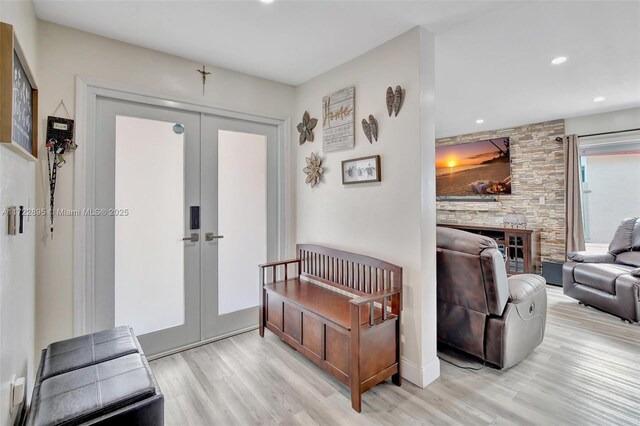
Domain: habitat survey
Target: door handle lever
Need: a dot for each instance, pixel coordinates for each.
(210, 237)
(194, 238)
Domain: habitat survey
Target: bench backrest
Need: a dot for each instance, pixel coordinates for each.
(347, 271)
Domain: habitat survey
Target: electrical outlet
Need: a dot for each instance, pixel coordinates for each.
(542, 200)
(16, 392)
(11, 382)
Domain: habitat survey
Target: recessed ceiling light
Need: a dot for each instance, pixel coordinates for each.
(479, 121)
(559, 60)
(598, 99)
(266, 1)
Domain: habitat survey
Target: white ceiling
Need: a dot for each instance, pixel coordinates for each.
(496, 67)
(492, 57)
(286, 41)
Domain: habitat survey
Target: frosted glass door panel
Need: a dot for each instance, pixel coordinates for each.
(149, 225)
(242, 218)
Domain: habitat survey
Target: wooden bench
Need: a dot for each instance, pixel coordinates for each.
(341, 310)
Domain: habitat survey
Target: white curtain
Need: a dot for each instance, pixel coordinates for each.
(574, 229)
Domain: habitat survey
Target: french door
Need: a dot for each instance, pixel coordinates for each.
(239, 203)
(185, 210)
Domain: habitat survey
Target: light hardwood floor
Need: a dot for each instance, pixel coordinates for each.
(586, 372)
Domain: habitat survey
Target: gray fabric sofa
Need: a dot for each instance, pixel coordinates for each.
(608, 281)
(101, 378)
(481, 311)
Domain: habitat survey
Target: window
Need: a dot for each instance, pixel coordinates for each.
(610, 170)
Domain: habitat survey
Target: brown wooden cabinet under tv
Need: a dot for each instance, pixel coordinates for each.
(519, 246)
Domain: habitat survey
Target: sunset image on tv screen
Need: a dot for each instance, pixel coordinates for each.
(476, 168)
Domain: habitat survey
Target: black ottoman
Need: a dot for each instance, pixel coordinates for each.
(90, 349)
(100, 378)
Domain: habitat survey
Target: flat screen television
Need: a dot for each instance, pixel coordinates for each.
(480, 168)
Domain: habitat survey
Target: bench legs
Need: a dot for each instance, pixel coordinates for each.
(356, 395)
(263, 300)
(396, 379)
(356, 399)
(261, 321)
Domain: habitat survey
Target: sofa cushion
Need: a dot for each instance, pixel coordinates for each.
(627, 234)
(635, 236)
(631, 258)
(587, 257)
(636, 272)
(87, 393)
(90, 349)
(601, 276)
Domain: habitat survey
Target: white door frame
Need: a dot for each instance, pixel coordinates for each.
(87, 91)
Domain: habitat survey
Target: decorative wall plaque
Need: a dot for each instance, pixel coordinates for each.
(305, 127)
(22, 106)
(394, 100)
(18, 97)
(313, 170)
(370, 128)
(338, 120)
(361, 170)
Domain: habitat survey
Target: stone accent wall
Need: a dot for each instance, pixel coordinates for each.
(537, 170)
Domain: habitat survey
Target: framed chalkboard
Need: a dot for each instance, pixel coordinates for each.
(18, 97)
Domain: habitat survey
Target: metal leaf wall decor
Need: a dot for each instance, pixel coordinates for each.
(366, 127)
(394, 100)
(374, 127)
(313, 170)
(389, 100)
(370, 128)
(306, 128)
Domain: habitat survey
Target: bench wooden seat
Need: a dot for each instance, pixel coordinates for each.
(354, 336)
(326, 303)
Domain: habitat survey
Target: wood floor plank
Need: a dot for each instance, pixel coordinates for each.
(587, 371)
(302, 419)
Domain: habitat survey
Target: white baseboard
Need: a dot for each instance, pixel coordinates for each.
(420, 376)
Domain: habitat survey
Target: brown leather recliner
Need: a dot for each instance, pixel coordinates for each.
(481, 311)
(608, 281)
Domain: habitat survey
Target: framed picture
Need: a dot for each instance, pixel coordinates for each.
(18, 97)
(338, 120)
(361, 170)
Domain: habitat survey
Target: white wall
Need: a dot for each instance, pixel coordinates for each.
(606, 122)
(69, 52)
(17, 277)
(385, 219)
(17, 253)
